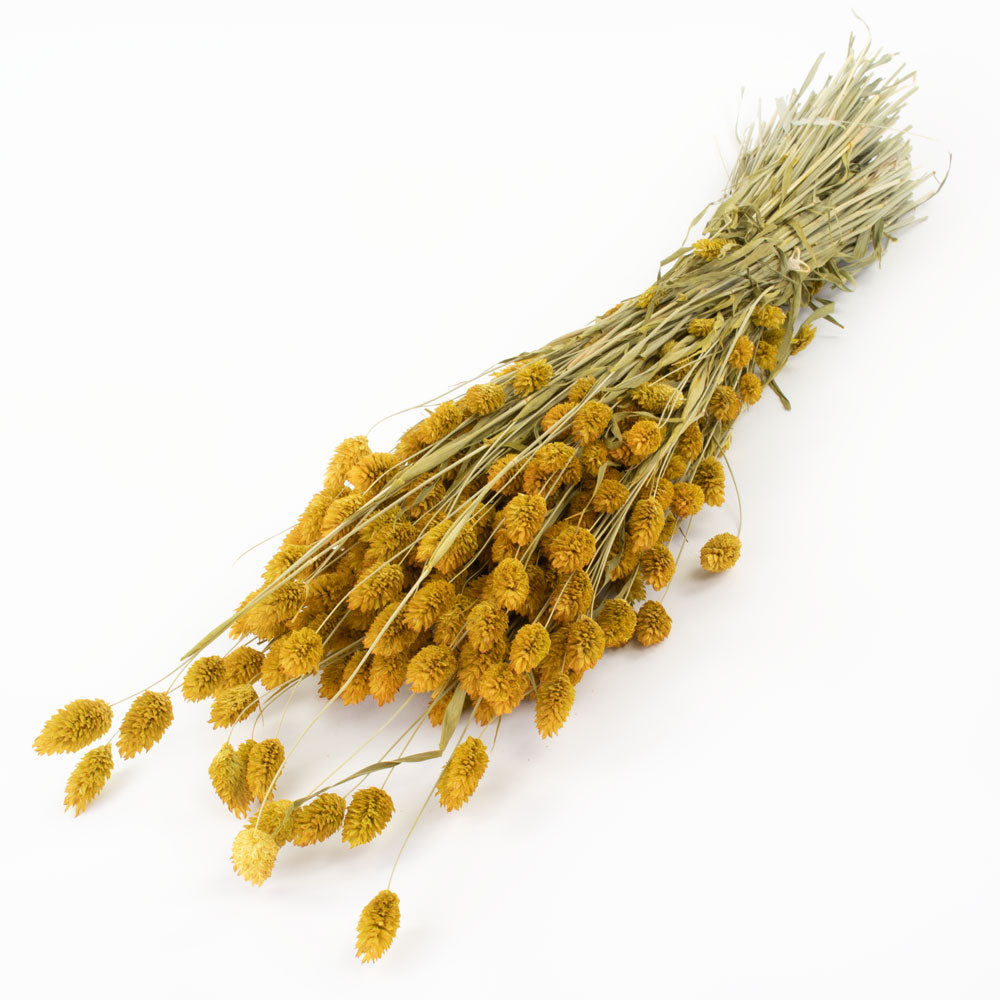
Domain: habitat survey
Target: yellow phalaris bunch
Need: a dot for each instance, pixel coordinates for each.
(520, 530)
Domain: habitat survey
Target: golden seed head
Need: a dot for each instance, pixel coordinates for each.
(509, 584)
(742, 352)
(585, 644)
(275, 817)
(523, 518)
(428, 604)
(503, 687)
(554, 414)
(568, 547)
(88, 778)
(702, 326)
(203, 678)
(371, 471)
(652, 624)
(254, 854)
(377, 926)
(367, 816)
(318, 820)
(658, 397)
(688, 499)
(690, 443)
(617, 620)
(712, 480)
(530, 646)
(462, 773)
(242, 666)
(712, 249)
(750, 388)
(228, 775)
(532, 376)
(487, 626)
(481, 400)
(645, 524)
(430, 667)
(579, 390)
(766, 356)
(590, 421)
(283, 560)
(377, 589)
(720, 552)
(610, 496)
(724, 404)
(300, 652)
(346, 455)
(386, 675)
(145, 722)
(803, 338)
(657, 566)
(74, 726)
(650, 295)
(593, 456)
(263, 766)
(643, 438)
(553, 704)
(572, 596)
(233, 705)
(768, 318)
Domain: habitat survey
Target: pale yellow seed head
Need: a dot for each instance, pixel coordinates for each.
(462, 773)
(553, 704)
(74, 726)
(88, 778)
(377, 926)
(318, 820)
(720, 552)
(263, 767)
(652, 624)
(367, 816)
(203, 678)
(254, 854)
(145, 722)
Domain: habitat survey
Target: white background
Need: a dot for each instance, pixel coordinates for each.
(234, 234)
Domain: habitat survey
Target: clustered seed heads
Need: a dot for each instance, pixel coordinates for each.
(512, 536)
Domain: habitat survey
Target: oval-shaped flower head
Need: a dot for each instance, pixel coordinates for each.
(242, 666)
(569, 547)
(688, 499)
(643, 438)
(572, 596)
(228, 773)
(233, 705)
(803, 338)
(487, 626)
(702, 326)
(318, 820)
(617, 620)
(530, 646)
(750, 388)
(503, 687)
(145, 722)
(263, 766)
(254, 854)
(481, 400)
(590, 421)
(523, 517)
(377, 926)
(532, 376)
(74, 726)
(430, 668)
(724, 404)
(645, 523)
(276, 817)
(88, 778)
(203, 678)
(461, 774)
(720, 552)
(553, 704)
(768, 317)
(367, 816)
(428, 604)
(584, 644)
(652, 624)
(742, 352)
(510, 584)
(300, 652)
(657, 567)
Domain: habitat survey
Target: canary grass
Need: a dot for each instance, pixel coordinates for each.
(499, 550)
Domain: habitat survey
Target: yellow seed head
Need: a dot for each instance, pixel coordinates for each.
(724, 404)
(346, 455)
(203, 678)
(228, 775)
(617, 621)
(532, 376)
(88, 778)
(643, 438)
(712, 249)
(428, 604)
(688, 499)
(487, 626)
(766, 356)
(367, 816)
(652, 624)
(254, 854)
(74, 726)
(523, 518)
(768, 318)
(609, 497)
(377, 926)
(318, 820)
(263, 766)
(749, 388)
(242, 666)
(377, 589)
(300, 652)
(803, 338)
(742, 352)
(462, 773)
(568, 547)
(503, 687)
(702, 326)
(584, 644)
(552, 416)
(145, 723)
(530, 646)
(645, 524)
(277, 818)
(481, 400)
(720, 552)
(386, 676)
(657, 566)
(572, 596)
(233, 705)
(590, 421)
(582, 386)
(553, 704)
(510, 584)
(430, 668)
